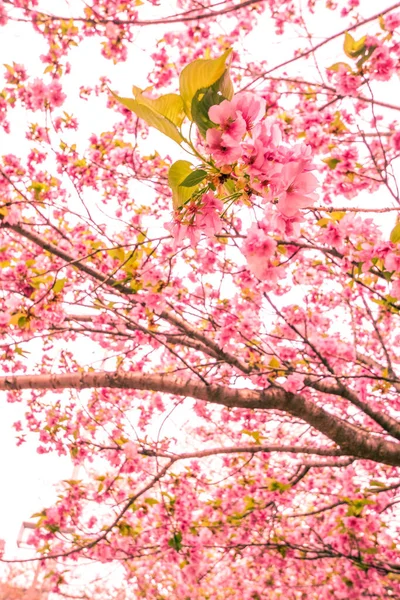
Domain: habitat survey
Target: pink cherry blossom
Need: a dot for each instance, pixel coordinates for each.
(287, 226)
(130, 449)
(382, 64)
(258, 248)
(251, 107)
(222, 148)
(211, 208)
(181, 230)
(294, 383)
(392, 262)
(269, 133)
(230, 121)
(392, 21)
(294, 189)
(3, 14)
(347, 84)
(396, 141)
(395, 288)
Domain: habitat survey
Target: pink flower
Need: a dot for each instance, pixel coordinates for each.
(13, 215)
(269, 133)
(395, 288)
(223, 150)
(258, 248)
(294, 189)
(382, 65)
(180, 231)
(396, 141)
(231, 123)
(392, 262)
(3, 14)
(112, 31)
(287, 226)
(4, 319)
(52, 516)
(37, 91)
(392, 21)
(251, 107)
(55, 94)
(210, 221)
(294, 383)
(346, 83)
(255, 157)
(130, 449)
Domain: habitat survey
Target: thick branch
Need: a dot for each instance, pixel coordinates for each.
(385, 421)
(254, 449)
(352, 440)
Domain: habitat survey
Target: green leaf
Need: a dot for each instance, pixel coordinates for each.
(59, 285)
(367, 53)
(230, 186)
(395, 234)
(387, 275)
(178, 172)
(273, 485)
(152, 118)
(352, 47)
(205, 98)
(282, 551)
(331, 162)
(355, 507)
(375, 483)
(194, 178)
(348, 44)
(202, 101)
(336, 66)
(151, 501)
(169, 106)
(22, 321)
(337, 125)
(256, 435)
(176, 541)
(201, 74)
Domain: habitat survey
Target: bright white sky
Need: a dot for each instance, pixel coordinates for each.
(27, 478)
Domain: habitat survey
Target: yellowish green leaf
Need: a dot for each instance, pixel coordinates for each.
(152, 118)
(202, 73)
(59, 285)
(177, 174)
(117, 254)
(256, 435)
(274, 363)
(352, 47)
(336, 66)
(395, 234)
(337, 125)
(337, 215)
(18, 319)
(331, 162)
(169, 106)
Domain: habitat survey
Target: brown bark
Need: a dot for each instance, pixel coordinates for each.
(351, 440)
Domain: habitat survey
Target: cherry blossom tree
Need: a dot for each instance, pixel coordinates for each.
(209, 328)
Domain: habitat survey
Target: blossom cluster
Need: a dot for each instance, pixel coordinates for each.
(246, 148)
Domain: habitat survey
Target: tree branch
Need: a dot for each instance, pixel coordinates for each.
(323, 43)
(351, 439)
(178, 18)
(385, 421)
